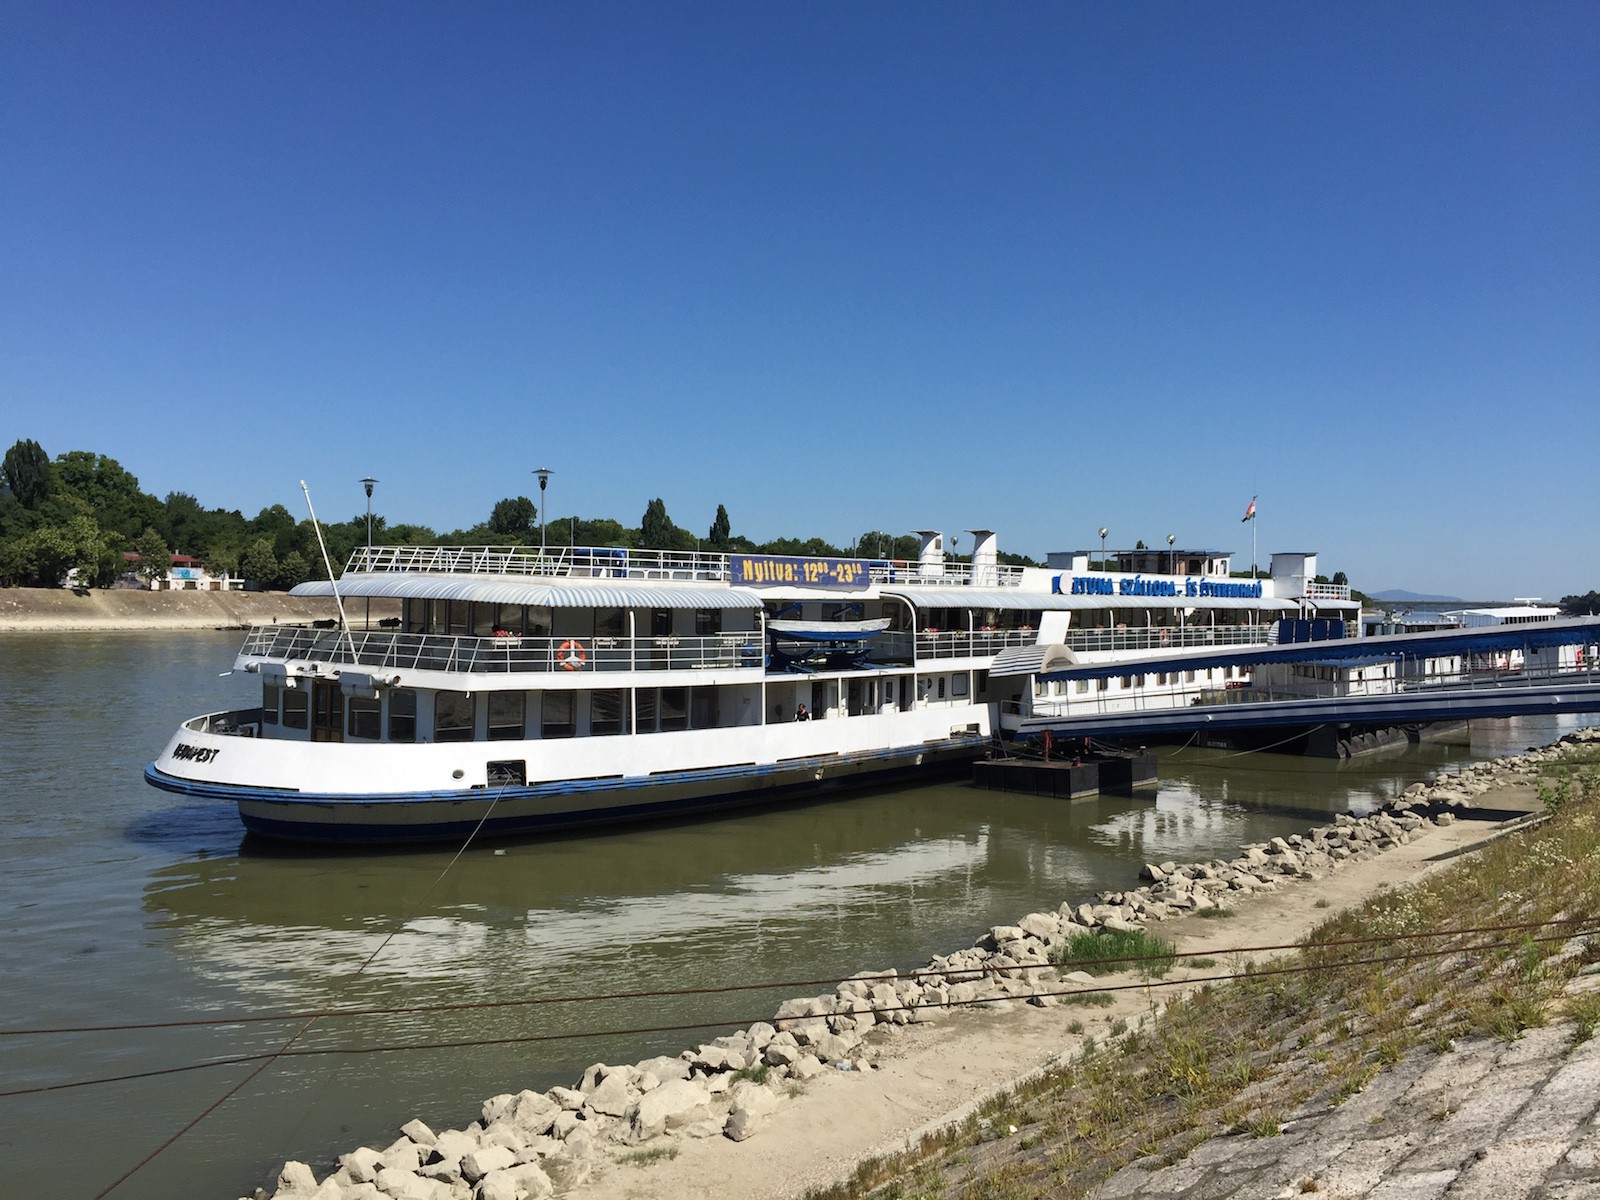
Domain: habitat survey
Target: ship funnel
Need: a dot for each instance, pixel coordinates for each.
(985, 558)
(930, 555)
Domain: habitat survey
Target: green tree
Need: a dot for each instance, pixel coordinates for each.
(276, 523)
(25, 470)
(259, 563)
(293, 569)
(155, 557)
(720, 529)
(656, 531)
(514, 517)
(112, 493)
(75, 546)
(1587, 605)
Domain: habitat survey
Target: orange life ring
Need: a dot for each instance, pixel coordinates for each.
(570, 654)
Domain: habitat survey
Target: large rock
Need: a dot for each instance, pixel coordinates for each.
(613, 1096)
(525, 1181)
(485, 1159)
(362, 1164)
(752, 1104)
(675, 1103)
(296, 1177)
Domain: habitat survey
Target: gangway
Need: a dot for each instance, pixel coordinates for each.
(1547, 682)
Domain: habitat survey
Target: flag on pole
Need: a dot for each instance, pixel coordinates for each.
(1249, 513)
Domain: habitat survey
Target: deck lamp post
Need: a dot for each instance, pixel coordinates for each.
(367, 484)
(1172, 562)
(1103, 547)
(544, 474)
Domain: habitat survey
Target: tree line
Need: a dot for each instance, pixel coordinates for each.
(77, 516)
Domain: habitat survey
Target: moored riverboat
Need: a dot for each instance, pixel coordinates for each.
(523, 690)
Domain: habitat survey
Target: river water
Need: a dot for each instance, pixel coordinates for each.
(126, 906)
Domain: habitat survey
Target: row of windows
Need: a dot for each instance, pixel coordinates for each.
(556, 714)
(1080, 687)
(463, 618)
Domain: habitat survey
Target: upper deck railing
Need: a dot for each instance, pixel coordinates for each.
(595, 562)
(1327, 591)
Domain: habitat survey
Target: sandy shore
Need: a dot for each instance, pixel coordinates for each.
(930, 1075)
(57, 610)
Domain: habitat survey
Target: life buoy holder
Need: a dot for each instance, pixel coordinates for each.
(571, 655)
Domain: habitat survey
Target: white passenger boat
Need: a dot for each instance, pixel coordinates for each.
(524, 691)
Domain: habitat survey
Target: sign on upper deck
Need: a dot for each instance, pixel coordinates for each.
(769, 570)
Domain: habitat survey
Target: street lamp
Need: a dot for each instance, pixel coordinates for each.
(544, 474)
(1172, 562)
(1102, 547)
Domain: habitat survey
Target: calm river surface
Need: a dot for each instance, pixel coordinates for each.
(123, 905)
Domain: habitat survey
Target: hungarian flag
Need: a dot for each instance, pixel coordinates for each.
(1249, 513)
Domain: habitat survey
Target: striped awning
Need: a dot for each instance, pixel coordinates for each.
(1032, 660)
(536, 593)
(1006, 598)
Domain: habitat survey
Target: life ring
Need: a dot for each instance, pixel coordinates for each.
(570, 654)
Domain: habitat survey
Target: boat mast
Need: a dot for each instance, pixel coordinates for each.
(332, 578)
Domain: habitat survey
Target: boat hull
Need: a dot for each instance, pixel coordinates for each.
(513, 811)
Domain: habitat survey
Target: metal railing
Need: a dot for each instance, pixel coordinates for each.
(1327, 591)
(1158, 698)
(939, 643)
(387, 650)
(592, 562)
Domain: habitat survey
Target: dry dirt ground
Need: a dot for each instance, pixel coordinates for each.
(930, 1075)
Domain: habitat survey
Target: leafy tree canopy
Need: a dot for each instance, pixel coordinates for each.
(25, 471)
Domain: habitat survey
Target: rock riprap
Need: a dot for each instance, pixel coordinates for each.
(533, 1144)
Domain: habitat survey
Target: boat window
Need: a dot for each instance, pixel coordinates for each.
(1041, 689)
(941, 687)
(704, 708)
(538, 621)
(457, 613)
(271, 695)
(675, 708)
(958, 685)
(296, 708)
(556, 715)
(609, 622)
(452, 716)
(608, 711)
(505, 716)
(402, 715)
(645, 707)
(660, 622)
(363, 718)
(574, 623)
(509, 618)
(1080, 686)
(483, 619)
(416, 616)
(707, 621)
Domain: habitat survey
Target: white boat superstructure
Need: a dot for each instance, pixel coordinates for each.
(521, 690)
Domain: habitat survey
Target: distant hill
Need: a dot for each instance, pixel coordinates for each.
(1405, 597)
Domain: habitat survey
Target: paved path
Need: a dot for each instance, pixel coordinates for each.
(1490, 1120)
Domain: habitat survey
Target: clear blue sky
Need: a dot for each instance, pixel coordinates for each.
(838, 266)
